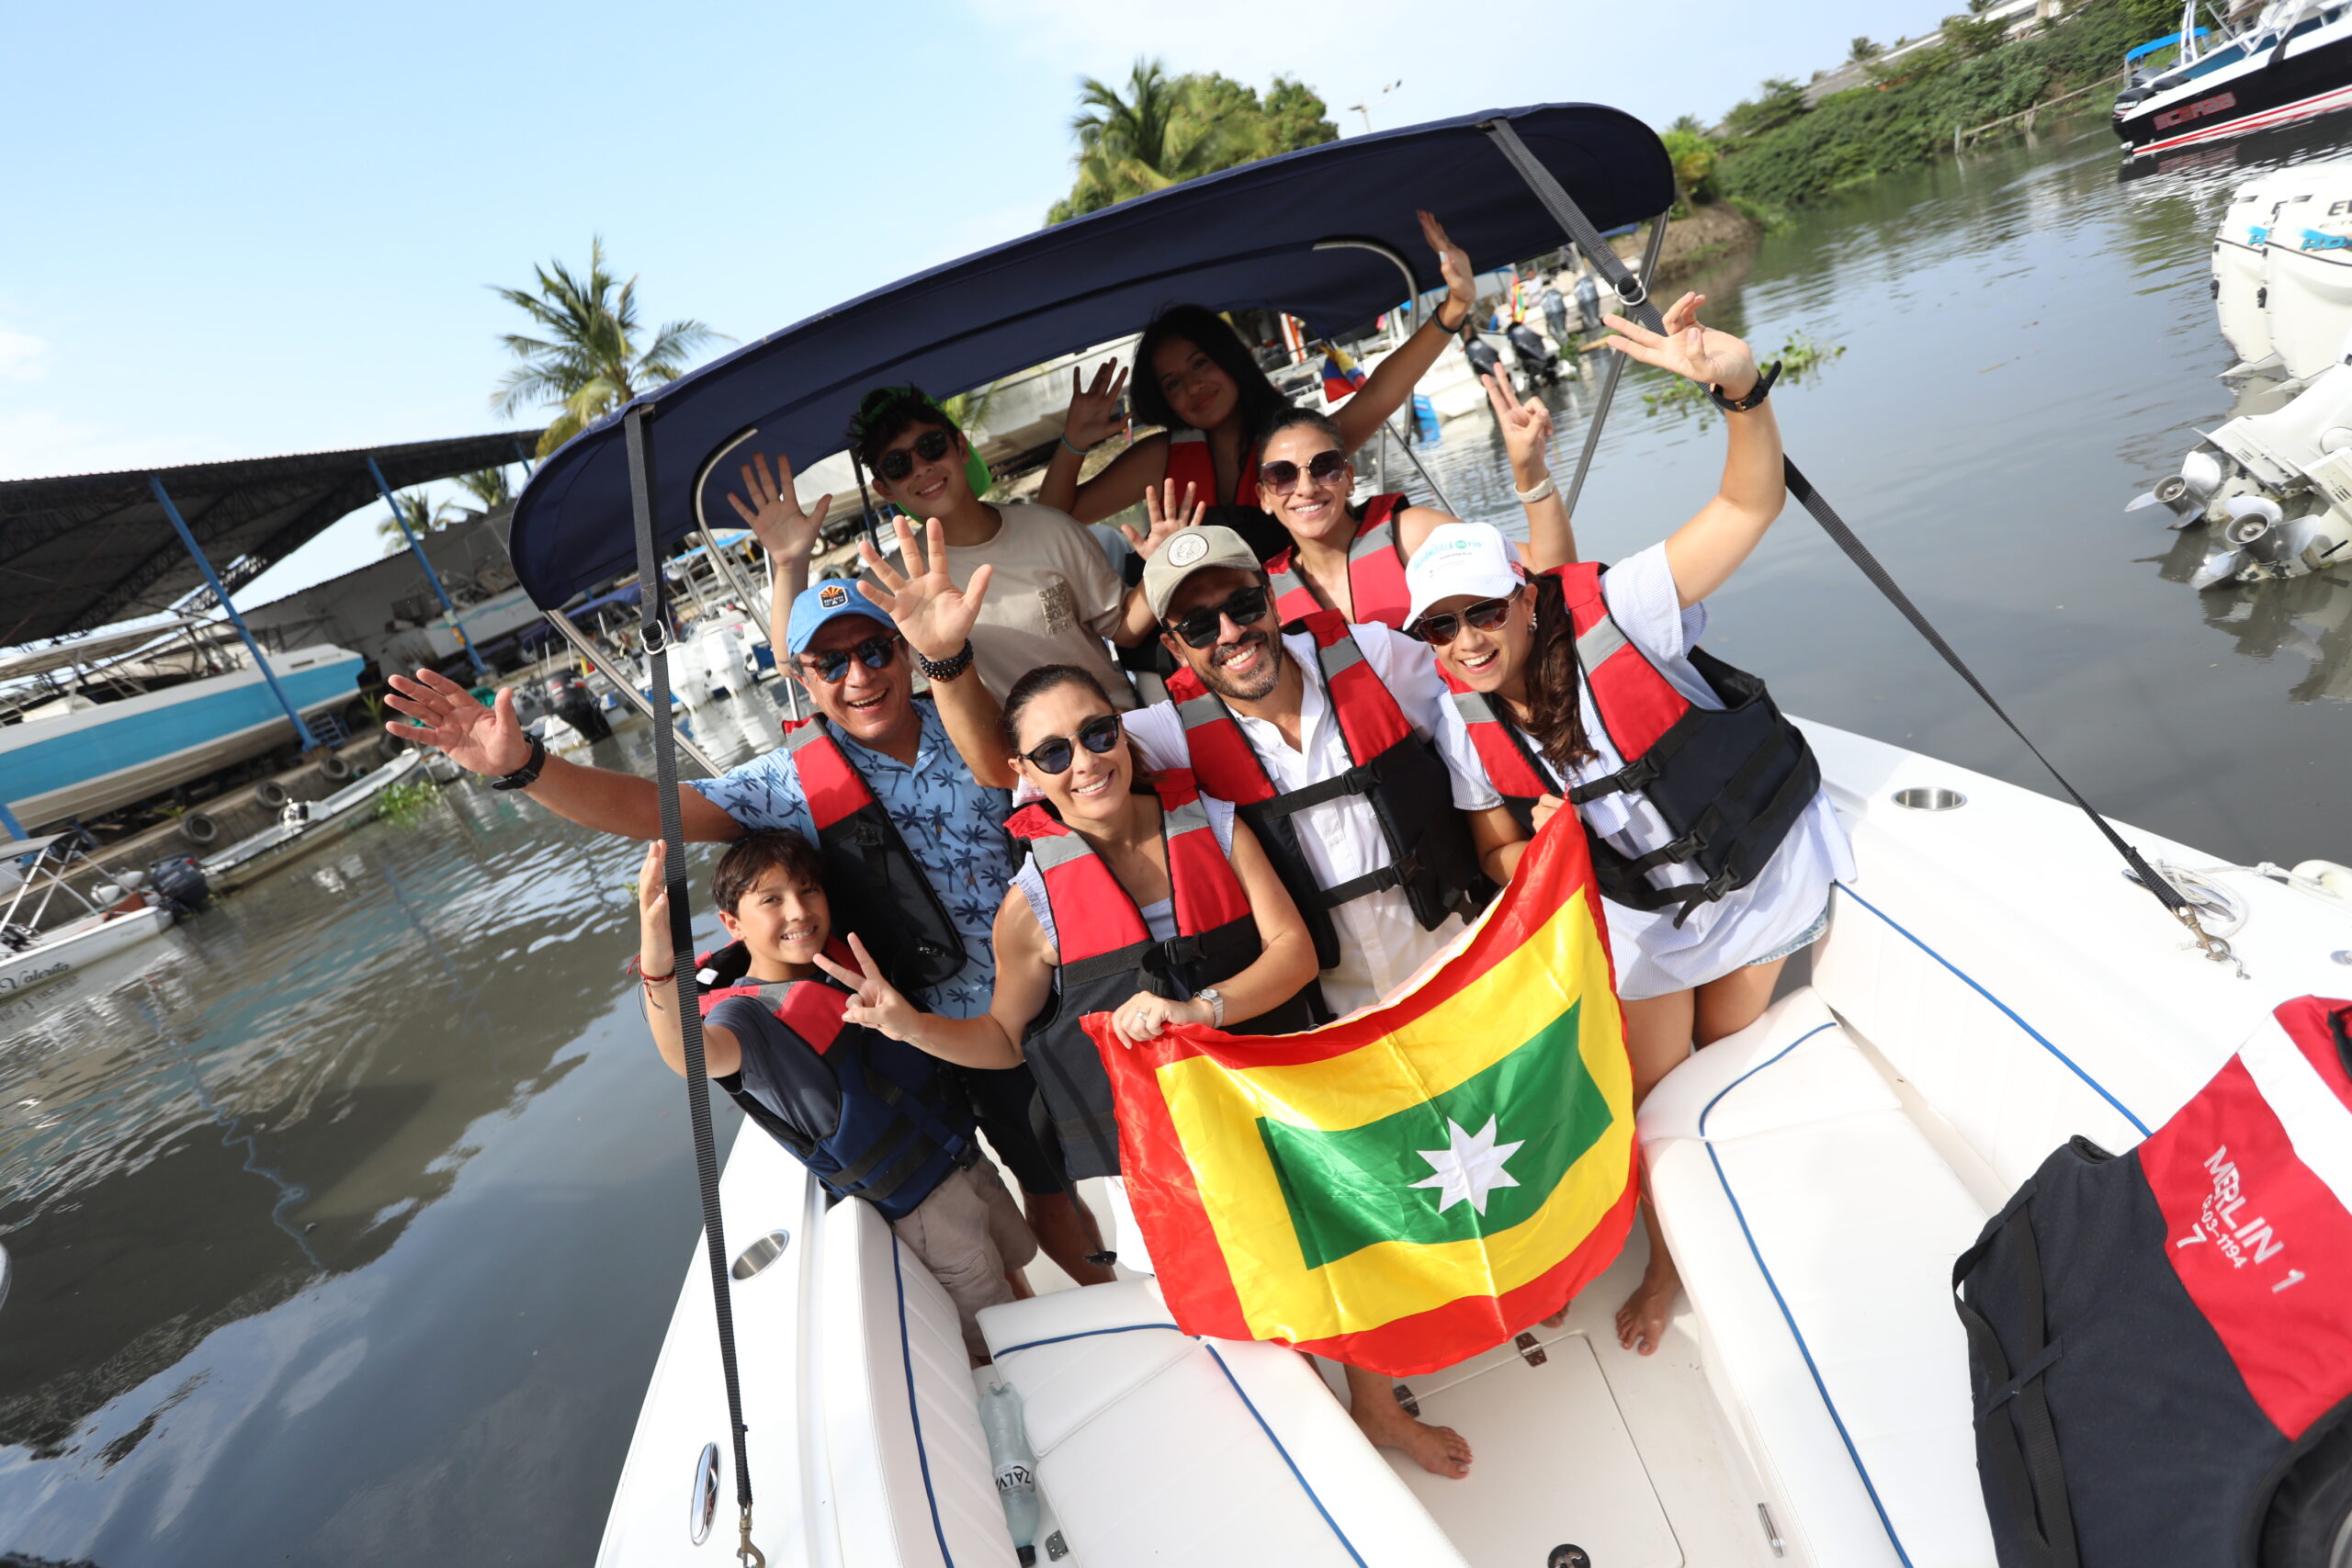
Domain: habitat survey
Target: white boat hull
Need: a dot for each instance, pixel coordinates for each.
(2012, 989)
(78, 947)
(328, 820)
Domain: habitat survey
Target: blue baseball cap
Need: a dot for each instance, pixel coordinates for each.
(823, 602)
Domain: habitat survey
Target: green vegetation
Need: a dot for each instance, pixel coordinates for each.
(1777, 152)
(423, 517)
(588, 361)
(1159, 130)
(489, 486)
(402, 803)
(1800, 358)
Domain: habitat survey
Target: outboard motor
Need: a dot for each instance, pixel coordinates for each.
(1536, 362)
(1485, 358)
(179, 881)
(569, 700)
(2307, 268)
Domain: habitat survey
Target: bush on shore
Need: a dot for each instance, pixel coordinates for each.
(1907, 117)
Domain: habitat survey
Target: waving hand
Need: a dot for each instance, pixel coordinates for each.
(934, 614)
(1701, 352)
(486, 741)
(774, 513)
(1167, 516)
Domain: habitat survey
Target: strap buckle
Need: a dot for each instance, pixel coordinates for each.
(1181, 949)
(655, 635)
(1641, 290)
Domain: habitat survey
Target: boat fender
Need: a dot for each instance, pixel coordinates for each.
(333, 767)
(270, 793)
(2333, 876)
(198, 827)
(2202, 1275)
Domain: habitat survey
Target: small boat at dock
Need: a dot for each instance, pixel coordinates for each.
(304, 826)
(31, 953)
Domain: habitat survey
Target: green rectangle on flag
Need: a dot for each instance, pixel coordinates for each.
(1473, 1161)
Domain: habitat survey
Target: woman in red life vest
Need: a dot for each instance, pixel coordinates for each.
(1202, 386)
(1351, 558)
(1712, 839)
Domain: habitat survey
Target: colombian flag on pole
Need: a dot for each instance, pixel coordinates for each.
(1415, 1182)
(1341, 375)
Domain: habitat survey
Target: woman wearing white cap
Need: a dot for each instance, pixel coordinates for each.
(1712, 837)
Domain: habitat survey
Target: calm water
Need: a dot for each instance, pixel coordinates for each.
(348, 1217)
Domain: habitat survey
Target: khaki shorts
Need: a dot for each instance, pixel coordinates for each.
(968, 1232)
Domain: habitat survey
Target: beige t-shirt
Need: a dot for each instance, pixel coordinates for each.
(1053, 599)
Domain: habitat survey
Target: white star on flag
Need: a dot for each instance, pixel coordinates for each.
(1469, 1167)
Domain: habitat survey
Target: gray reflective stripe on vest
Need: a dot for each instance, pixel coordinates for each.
(1284, 580)
(1202, 710)
(1340, 656)
(1055, 850)
(1598, 641)
(1184, 818)
(1371, 541)
(1475, 708)
(806, 734)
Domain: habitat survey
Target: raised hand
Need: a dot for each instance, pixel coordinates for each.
(934, 614)
(772, 513)
(1452, 265)
(1701, 352)
(1168, 518)
(653, 951)
(1094, 415)
(873, 1001)
(1526, 427)
(488, 741)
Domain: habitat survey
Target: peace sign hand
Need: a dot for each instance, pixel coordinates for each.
(875, 1002)
(1452, 265)
(934, 614)
(774, 515)
(1168, 518)
(1094, 415)
(1687, 348)
(1527, 431)
(486, 741)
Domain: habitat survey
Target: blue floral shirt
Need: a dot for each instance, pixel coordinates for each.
(952, 824)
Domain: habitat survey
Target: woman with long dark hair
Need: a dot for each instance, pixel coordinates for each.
(1200, 383)
(1714, 842)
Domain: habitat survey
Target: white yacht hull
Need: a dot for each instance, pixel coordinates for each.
(1993, 975)
(77, 947)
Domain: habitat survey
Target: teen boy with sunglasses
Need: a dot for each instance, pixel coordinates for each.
(1056, 598)
(914, 852)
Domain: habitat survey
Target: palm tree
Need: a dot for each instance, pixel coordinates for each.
(1143, 141)
(489, 486)
(423, 517)
(588, 361)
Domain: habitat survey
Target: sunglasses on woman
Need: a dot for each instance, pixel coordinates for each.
(1098, 735)
(1280, 476)
(1439, 631)
(832, 665)
(897, 463)
(1204, 625)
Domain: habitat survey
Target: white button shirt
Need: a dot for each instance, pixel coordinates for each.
(1381, 942)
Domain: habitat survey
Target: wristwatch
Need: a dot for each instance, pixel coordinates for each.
(1215, 998)
(1756, 394)
(1438, 316)
(528, 773)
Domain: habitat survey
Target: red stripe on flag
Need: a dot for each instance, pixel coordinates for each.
(1446, 1336)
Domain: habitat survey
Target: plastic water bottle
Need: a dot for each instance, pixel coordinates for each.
(1016, 1482)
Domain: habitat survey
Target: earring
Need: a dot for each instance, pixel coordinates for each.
(1531, 618)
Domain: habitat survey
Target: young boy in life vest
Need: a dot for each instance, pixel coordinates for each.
(872, 1118)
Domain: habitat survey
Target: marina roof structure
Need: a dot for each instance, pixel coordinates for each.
(1326, 234)
(84, 550)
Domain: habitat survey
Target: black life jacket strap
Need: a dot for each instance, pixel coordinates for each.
(1361, 779)
(2019, 1454)
(1391, 875)
(1644, 770)
(1140, 958)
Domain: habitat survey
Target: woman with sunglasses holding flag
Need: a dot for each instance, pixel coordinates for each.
(1713, 841)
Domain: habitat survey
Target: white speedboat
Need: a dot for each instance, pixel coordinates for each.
(82, 756)
(306, 825)
(1992, 984)
(31, 951)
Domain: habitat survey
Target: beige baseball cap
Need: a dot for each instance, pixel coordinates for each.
(1189, 550)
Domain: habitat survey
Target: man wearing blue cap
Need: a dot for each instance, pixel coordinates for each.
(915, 861)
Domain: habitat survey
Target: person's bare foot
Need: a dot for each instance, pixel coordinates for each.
(1641, 1322)
(1560, 1316)
(1440, 1451)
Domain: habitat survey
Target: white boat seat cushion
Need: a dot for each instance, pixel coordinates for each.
(1816, 1227)
(1154, 1447)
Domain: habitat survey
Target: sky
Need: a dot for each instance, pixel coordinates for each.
(241, 231)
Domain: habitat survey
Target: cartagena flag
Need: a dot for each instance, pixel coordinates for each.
(1341, 375)
(1417, 1181)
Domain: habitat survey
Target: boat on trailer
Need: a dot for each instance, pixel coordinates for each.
(1995, 982)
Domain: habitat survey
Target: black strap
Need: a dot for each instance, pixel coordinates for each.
(1371, 882)
(1634, 302)
(1358, 780)
(2018, 1446)
(654, 626)
(1049, 1143)
(1609, 374)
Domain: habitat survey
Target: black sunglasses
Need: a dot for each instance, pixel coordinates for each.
(1439, 631)
(1098, 735)
(897, 463)
(832, 665)
(1282, 476)
(1204, 626)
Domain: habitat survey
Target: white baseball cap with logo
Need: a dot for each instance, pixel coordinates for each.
(1459, 559)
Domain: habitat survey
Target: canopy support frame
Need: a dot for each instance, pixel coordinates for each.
(588, 650)
(1412, 303)
(417, 548)
(212, 579)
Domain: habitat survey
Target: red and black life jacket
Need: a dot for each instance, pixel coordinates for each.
(1190, 462)
(877, 888)
(2161, 1342)
(1729, 783)
(871, 1117)
(1375, 571)
(1430, 852)
(1107, 955)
